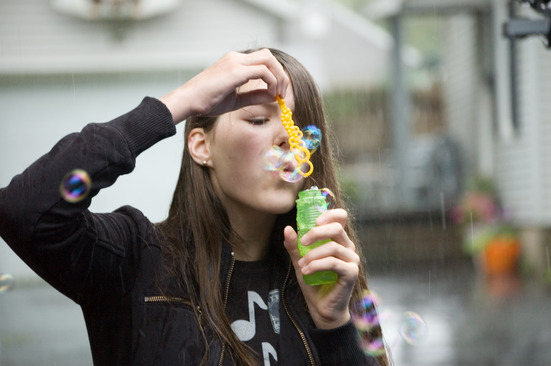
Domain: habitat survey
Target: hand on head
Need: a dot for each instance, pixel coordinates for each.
(214, 91)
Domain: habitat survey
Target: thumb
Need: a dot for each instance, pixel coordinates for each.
(290, 243)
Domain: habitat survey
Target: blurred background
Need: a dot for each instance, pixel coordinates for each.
(441, 111)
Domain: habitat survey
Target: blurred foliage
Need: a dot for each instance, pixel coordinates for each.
(343, 105)
(350, 190)
(359, 120)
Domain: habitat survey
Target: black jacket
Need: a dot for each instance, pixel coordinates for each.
(109, 263)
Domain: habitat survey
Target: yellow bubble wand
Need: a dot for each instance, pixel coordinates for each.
(296, 143)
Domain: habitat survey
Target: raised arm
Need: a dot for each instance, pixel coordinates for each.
(55, 237)
(215, 90)
(60, 239)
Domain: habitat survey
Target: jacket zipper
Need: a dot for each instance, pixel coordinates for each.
(300, 332)
(179, 300)
(226, 293)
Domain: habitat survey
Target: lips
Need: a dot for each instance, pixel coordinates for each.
(288, 167)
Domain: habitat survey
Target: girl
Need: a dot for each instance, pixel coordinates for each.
(219, 282)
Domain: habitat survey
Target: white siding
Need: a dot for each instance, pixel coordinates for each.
(543, 57)
(460, 84)
(35, 38)
(523, 165)
(349, 50)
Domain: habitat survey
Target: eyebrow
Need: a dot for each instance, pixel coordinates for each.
(270, 107)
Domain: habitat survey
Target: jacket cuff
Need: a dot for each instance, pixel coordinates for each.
(148, 123)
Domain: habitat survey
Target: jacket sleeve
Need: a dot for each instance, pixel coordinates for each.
(340, 346)
(62, 241)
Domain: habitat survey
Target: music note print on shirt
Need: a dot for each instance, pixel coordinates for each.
(267, 351)
(273, 309)
(246, 329)
(257, 326)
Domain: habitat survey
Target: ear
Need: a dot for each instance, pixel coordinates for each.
(199, 147)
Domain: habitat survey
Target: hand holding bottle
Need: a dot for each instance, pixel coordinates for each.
(328, 304)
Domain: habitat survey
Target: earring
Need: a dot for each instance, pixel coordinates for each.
(204, 163)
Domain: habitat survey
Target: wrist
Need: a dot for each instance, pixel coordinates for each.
(332, 323)
(178, 105)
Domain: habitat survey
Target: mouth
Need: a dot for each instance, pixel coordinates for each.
(284, 164)
(288, 167)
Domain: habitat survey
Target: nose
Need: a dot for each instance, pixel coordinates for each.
(282, 138)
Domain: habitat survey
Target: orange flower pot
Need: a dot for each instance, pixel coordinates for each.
(501, 256)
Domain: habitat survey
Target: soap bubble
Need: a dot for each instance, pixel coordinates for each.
(366, 318)
(284, 162)
(288, 170)
(311, 135)
(413, 328)
(367, 321)
(75, 186)
(374, 347)
(364, 313)
(273, 159)
(330, 200)
(390, 323)
(7, 282)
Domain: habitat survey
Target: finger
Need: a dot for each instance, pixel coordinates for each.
(290, 243)
(334, 215)
(265, 57)
(257, 72)
(330, 249)
(337, 259)
(333, 231)
(345, 270)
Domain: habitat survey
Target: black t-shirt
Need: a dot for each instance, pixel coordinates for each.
(253, 309)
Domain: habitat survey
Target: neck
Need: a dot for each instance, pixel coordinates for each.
(254, 230)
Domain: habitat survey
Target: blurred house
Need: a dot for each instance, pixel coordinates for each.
(65, 63)
(495, 103)
(86, 36)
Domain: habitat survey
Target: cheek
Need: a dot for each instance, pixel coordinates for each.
(242, 160)
(250, 149)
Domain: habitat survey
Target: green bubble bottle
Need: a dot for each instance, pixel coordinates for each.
(310, 205)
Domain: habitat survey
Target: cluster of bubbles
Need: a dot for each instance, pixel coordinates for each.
(75, 186)
(368, 317)
(285, 162)
(7, 282)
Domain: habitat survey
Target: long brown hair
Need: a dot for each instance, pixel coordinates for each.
(197, 226)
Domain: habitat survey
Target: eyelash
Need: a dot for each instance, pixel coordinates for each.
(258, 120)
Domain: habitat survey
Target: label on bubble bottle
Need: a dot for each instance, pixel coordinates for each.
(311, 204)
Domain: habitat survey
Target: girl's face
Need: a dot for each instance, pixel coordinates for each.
(238, 145)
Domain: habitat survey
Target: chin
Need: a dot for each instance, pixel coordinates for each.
(282, 205)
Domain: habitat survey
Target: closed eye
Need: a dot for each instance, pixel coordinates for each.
(258, 120)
